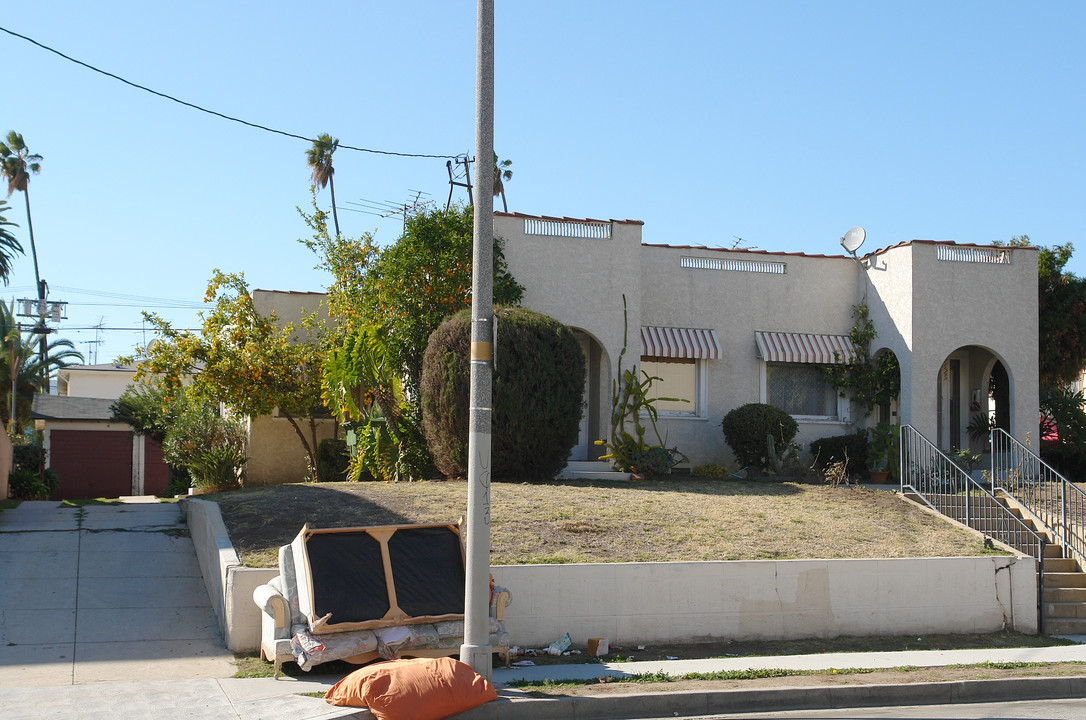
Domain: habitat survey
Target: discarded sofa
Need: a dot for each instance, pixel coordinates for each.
(361, 594)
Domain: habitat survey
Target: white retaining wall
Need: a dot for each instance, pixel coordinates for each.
(696, 601)
(769, 599)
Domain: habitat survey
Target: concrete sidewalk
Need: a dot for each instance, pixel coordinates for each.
(286, 699)
(103, 593)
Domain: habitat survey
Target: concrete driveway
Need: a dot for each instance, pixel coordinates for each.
(103, 593)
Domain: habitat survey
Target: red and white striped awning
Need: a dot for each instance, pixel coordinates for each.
(804, 348)
(689, 343)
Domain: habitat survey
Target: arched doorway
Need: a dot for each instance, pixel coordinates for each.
(594, 384)
(886, 411)
(973, 394)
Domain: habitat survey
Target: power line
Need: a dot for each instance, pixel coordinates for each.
(212, 112)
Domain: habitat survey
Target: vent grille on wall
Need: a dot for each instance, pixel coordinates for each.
(952, 253)
(775, 268)
(567, 228)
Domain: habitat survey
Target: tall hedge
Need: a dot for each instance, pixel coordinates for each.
(538, 395)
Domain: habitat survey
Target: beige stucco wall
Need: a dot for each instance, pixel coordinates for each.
(814, 295)
(290, 306)
(990, 305)
(276, 454)
(94, 381)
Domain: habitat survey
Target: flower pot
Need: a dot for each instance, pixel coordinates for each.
(878, 476)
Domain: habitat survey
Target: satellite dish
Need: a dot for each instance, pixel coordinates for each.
(853, 239)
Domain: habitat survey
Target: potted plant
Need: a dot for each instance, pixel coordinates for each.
(882, 455)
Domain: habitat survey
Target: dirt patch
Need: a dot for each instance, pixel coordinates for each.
(599, 521)
(874, 677)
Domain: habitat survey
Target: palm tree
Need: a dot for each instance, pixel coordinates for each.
(501, 173)
(16, 164)
(20, 360)
(8, 244)
(320, 160)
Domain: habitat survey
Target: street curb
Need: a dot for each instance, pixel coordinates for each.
(695, 703)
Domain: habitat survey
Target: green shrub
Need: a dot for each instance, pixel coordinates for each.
(833, 449)
(711, 470)
(204, 443)
(746, 428)
(332, 460)
(27, 485)
(28, 457)
(538, 389)
(218, 467)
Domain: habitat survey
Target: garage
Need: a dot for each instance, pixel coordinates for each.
(94, 456)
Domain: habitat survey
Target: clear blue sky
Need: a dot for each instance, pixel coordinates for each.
(783, 123)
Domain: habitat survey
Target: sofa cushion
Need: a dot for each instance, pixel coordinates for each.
(417, 689)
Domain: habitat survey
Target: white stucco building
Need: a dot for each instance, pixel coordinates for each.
(728, 327)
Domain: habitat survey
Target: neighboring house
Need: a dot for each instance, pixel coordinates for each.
(91, 455)
(727, 327)
(276, 454)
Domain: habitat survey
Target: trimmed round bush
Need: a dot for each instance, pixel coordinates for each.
(746, 429)
(538, 394)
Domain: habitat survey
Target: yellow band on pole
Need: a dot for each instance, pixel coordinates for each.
(480, 351)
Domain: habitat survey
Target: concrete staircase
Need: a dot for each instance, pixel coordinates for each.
(1064, 588)
(598, 470)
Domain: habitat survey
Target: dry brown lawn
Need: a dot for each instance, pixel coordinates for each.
(599, 521)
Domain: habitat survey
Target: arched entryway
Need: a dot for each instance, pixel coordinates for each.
(887, 409)
(596, 365)
(973, 394)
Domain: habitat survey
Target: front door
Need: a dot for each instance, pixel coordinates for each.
(580, 450)
(950, 404)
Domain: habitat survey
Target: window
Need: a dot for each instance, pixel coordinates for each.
(801, 390)
(677, 378)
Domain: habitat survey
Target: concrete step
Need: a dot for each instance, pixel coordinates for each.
(1060, 595)
(596, 470)
(1065, 610)
(1061, 565)
(1065, 580)
(1061, 626)
(1053, 550)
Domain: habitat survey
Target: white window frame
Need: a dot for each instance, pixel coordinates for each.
(700, 410)
(844, 415)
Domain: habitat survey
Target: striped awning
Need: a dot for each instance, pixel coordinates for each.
(689, 343)
(804, 348)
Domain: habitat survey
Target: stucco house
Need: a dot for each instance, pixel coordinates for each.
(727, 327)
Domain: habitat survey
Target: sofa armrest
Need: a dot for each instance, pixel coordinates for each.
(272, 602)
(501, 599)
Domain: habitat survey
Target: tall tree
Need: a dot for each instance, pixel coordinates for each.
(423, 278)
(320, 162)
(9, 246)
(16, 163)
(241, 358)
(501, 174)
(1061, 307)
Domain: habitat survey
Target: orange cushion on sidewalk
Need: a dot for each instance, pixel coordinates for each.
(416, 689)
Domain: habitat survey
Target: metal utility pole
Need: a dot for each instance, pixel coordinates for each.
(476, 650)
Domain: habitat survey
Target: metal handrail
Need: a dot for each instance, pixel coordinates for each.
(1054, 500)
(943, 486)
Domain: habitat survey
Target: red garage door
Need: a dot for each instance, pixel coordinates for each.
(91, 463)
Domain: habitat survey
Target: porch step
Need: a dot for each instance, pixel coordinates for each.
(1065, 580)
(598, 470)
(1065, 611)
(1064, 595)
(1061, 564)
(1064, 627)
